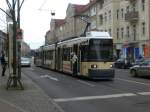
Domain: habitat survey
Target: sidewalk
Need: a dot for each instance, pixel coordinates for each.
(31, 99)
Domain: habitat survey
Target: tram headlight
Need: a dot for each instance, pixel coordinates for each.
(111, 66)
(94, 66)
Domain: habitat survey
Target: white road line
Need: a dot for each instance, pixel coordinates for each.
(86, 83)
(53, 78)
(50, 77)
(94, 97)
(144, 93)
(147, 84)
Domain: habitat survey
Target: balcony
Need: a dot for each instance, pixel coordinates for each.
(132, 16)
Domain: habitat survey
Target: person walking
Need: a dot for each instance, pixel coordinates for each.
(3, 63)
(74, 61)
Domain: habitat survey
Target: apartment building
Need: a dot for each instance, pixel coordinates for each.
(127, 21)
(72, 26)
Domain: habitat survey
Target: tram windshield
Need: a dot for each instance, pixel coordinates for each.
(98, 50)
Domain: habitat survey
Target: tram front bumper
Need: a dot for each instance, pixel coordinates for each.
(101, 73)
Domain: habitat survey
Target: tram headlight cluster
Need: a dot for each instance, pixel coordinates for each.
(94, 66)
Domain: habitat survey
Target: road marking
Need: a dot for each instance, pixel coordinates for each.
(94, 97)
(147, 84)
(144, 93)
(86, 83)
(50, 77)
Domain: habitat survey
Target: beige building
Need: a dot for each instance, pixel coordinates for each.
(127, 21)
(25, 49)
(72, 26)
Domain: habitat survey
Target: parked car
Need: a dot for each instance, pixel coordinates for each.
(25, 61)
(138, 61)
(142, 69)
(122, 63)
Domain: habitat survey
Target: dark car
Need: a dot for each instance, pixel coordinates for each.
(142, 69)
(122, 63)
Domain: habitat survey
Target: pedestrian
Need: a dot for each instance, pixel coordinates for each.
(74, 61)
(74, 58)
(3, 63)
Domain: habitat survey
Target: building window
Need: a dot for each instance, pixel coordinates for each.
(105, 16)
(122, 32)
(127, 9)
(101, 19)
(134, 32)
(101, 5)
(117, 33)
(134, 7)
(122, 13)
(143, 5)
(117, 14)
(128, 31)
(143, 28)
(110, 15)
(110, 32)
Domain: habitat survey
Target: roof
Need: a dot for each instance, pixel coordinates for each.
(92, 35)
(59, 22)
(79, 8)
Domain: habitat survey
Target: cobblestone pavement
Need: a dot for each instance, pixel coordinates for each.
(31, 99)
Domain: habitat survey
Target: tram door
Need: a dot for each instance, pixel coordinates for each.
(59, 59)
(76, 63)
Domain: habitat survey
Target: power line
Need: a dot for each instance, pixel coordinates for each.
(42, 4)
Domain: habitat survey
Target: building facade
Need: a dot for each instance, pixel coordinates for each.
(25, 49)
(127, 21)
(3, 41)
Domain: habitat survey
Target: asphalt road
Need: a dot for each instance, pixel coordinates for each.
(124, 94)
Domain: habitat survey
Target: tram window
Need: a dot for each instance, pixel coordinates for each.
(100, 50)
(84, 52)
(66, 54)
(50, 55)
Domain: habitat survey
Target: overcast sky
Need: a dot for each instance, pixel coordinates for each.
(36, 16)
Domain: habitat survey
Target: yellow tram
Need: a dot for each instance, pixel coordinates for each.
(93, 56)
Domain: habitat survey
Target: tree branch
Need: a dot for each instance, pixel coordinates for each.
(5, 13)
(21, 5)
(8, 4)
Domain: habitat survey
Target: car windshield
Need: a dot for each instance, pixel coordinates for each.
(120, 59)
(24, 59)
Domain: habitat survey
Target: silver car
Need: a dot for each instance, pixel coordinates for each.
(142, 69)
(25, 61)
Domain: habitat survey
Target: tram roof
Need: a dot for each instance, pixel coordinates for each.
(81, 39)
(49, 47)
